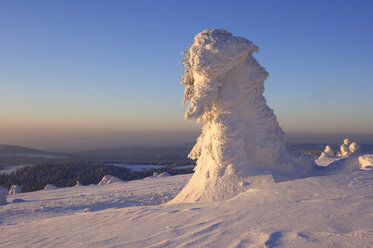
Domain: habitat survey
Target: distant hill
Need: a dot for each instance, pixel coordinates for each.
(17, 155)
(160, 153)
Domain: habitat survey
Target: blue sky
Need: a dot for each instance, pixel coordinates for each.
(77, 72)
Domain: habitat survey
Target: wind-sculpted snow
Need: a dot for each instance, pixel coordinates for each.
(241, 137)
(327, 211)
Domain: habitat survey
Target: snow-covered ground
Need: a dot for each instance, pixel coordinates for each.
(328, 211)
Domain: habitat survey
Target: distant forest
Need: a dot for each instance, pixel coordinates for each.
(66, 174)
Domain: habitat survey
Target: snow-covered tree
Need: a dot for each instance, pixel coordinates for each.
(241, 137)
(328, 151)
(15, 189)
(354, 147)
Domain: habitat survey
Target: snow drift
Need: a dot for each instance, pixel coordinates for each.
(240, 137)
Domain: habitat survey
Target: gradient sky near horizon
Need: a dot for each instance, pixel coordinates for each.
(84, 74)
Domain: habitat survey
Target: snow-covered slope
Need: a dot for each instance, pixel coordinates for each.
(328, 211)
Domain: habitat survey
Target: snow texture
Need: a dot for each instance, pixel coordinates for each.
(327, 211)
(109, 180)
(241, 137)
(15, 189)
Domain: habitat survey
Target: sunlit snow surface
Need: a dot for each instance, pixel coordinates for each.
(328, 211)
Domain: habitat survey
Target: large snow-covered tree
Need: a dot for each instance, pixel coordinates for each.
(241, 137)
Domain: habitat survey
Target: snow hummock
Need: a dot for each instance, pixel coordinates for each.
(15, 189)
(241, 137)
(49, 187)
(108, 179)
(3, 195)
(366, 161)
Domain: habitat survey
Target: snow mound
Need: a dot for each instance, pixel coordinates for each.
(366, 161)
(3, 195)
(164, 174)
(49, 187)
(109, 180)
(15, 189)
(241, 137)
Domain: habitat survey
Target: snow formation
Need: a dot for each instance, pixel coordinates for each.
(15, 189)
(366, 161)
(345, 149)
(3, 195)
(354, 147)
(240, 136)
(109, 180)
(328, 151)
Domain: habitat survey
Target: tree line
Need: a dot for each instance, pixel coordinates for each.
(66, 174)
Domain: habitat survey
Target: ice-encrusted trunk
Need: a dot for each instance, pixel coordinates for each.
(241, 137)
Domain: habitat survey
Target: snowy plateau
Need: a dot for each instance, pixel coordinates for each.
(248, 189)
(325, 211)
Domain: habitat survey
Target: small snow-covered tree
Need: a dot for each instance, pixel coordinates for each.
(354, 147)
(15, 189)
(328, 151)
